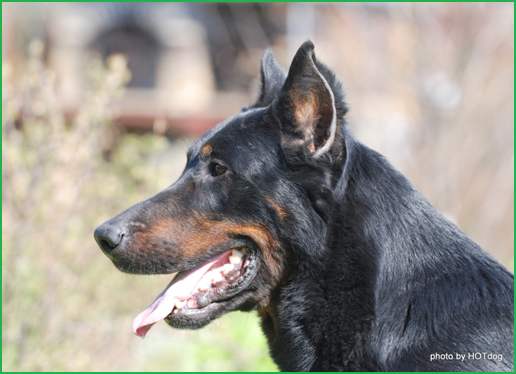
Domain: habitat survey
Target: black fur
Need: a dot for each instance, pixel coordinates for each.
(372, 277)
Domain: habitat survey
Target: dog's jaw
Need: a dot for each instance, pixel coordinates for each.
(198, 293)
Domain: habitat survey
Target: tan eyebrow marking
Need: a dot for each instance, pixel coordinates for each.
(206, 149)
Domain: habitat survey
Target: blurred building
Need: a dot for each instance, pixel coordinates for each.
(192, 64)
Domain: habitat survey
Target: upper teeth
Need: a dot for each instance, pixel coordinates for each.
(236, 252)
(236, 255)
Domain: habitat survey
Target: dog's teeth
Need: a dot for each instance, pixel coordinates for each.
(228, 268)
(217, 277)
(204, 286)
(179, 304)
(244, 250)
(234, 259)
(237, 253)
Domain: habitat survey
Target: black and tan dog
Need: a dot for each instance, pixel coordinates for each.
(281, 210)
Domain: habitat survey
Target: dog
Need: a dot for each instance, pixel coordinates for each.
(281, 210)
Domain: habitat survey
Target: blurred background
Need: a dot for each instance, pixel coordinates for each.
(100, 102)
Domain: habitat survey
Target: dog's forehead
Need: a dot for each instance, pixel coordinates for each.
(246, 129)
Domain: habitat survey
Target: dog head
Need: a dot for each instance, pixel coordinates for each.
(253, 199)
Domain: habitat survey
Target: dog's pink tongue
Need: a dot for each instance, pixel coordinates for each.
(181, 287)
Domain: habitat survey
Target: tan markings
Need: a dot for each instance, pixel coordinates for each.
(269, 323)
(187, 238)
(206, 149)
(306, 112)
(282, 213)
(216, 232)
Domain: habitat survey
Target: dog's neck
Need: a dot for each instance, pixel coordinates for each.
(341, 283)
(300, 322)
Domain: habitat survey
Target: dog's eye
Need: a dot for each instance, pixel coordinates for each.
(217, 169)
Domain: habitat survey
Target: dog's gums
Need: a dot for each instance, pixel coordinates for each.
(196, 289)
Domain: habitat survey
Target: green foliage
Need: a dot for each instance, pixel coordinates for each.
(65, 307)
(233, 343)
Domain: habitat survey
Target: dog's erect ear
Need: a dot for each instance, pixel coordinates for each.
(307, 104)
(272, 77)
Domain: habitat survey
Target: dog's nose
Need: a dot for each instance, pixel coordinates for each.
(108, 237)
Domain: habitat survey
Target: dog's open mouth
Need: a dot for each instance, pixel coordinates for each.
(194, 290)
